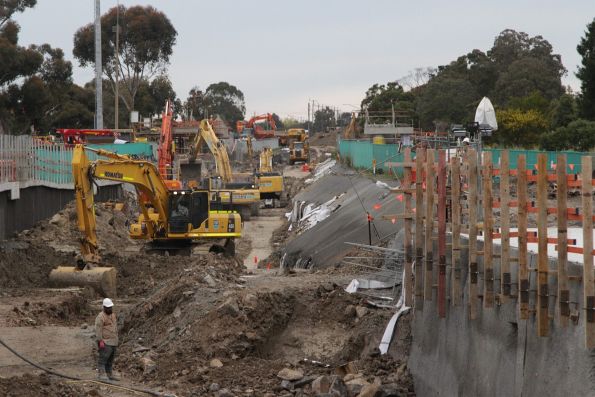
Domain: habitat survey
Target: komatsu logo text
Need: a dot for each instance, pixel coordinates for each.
(115, 175)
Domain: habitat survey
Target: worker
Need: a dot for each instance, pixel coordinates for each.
(106, 332)
(466, 141)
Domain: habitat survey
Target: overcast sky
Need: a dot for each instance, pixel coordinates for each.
(283, 53)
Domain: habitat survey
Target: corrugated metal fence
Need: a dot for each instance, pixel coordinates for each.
(362, 153)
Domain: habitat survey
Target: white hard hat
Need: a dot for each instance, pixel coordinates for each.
(107, 302)
(466, 140)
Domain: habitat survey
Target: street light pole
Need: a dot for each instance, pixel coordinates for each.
(117, 90)
(98, 69)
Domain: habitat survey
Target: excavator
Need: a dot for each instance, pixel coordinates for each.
(169, 219)
(349, 132)
(225, 192)
(270, 182)
(166, 149)
(253, 127)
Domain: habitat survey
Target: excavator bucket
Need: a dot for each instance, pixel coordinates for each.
(101, 279)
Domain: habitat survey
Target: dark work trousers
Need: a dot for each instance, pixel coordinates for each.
(106, 358)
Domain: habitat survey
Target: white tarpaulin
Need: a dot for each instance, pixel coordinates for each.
(485, 113)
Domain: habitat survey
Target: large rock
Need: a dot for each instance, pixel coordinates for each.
(356, 385)
(361, 311)
(250, 300)
(230, 307)
(58, 220)
(224, 393)
(148, 365)
(210, 281)
(290, 374)
(321, 385)
(371, 391)
(338, 387)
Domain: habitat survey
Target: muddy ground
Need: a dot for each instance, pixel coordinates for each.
(193, 326)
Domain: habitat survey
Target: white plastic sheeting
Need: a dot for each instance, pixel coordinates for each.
(321, 170)
(389, 332)
(305, 216)
(485, 113)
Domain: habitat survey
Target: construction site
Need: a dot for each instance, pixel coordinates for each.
(436, 239)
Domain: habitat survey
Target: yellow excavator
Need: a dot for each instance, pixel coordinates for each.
(169, 219)
(225, 192)
(269, 182)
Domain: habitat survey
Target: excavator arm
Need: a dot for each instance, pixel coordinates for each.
(207, 135)
(266, 160)
(85, 206)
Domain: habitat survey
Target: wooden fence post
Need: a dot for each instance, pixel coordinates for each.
(419, 229)
(456, 230)
(505, 277)
(523, 275)
(429, 268)
(561, 195)
(488, 227)
(442, 233)
(473, 268)
(542, 257)
(407, 224)
(588, 277)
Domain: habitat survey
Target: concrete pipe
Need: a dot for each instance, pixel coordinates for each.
(101, 279)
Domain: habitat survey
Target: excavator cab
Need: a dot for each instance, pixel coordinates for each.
(187, 208)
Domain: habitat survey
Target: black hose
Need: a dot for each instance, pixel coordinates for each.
(51, 372)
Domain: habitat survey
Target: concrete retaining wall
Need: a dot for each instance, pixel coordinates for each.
(498, 354)
(40, 202)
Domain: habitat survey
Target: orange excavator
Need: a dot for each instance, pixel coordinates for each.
(256, 127)
(167, 149)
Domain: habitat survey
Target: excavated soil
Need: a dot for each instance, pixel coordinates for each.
(73, 310)
(38, 386)
(172, 337)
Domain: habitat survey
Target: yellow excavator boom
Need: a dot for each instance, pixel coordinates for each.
(217, 148)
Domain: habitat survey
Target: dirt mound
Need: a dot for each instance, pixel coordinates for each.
(28, 258)
(73, 310)
(189, 335)
(324, 139)
(37, 386)
(61, 232)
(28, 264)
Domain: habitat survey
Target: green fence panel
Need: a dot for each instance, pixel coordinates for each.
(573, 159)
(361, 154)
(141, 150)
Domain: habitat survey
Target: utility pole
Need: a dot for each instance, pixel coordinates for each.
(98, 69)
(308, 116)
(117, 96)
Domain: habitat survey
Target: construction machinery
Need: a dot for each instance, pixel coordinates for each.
(293, 134)
(166, 149)
(349, 132)
(299, 151)
(169, 219)
(225, 192)
(261, 126)
(269, 182)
